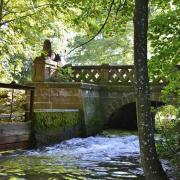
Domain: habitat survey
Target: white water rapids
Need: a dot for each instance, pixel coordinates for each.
(99, 157)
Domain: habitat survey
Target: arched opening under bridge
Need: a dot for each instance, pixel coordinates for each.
(125, 117)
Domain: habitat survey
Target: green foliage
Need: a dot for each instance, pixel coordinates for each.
(55, 120)
(164, 37)
(18, 104)
(168, 125)
(115, 49)
(23, 27)
(62, 75)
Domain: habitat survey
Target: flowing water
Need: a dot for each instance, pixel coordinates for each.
(100, 157)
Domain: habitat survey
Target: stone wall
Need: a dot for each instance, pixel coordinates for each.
(54, 126)
(56, 103)
(52, 95)
(92, 109)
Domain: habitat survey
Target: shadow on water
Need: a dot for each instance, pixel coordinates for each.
(106, 156)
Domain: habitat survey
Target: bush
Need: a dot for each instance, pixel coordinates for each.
(18, 104)
(168, 125)
(62, 75)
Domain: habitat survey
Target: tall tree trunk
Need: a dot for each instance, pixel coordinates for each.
(1, 10)
(150, 162)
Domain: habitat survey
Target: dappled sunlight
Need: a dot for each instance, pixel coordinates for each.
(100, 157)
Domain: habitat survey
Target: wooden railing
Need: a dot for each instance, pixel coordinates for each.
(31, 100)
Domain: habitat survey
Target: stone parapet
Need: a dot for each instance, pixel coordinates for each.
(44, 69)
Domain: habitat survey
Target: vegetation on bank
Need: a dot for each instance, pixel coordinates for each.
(13, 105)
(168, 142)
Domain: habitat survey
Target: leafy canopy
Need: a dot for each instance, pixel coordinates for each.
(25, 24)
(164, 37)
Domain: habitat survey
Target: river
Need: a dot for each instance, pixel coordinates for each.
(107, 156)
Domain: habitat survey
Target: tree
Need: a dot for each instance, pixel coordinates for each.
(150, 162)
(24, 25)
(164, 37)
(114, 49)
(108, 33)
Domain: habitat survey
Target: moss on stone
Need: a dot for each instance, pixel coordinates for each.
(56, 120)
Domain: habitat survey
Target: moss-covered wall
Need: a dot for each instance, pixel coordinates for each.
(53, 127)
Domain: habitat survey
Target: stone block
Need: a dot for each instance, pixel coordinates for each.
(53, 127)
(42, 105)
(54, 92)
(69, 92)
(66, 106)
(45, 99)
(42, 92)
(65, 99)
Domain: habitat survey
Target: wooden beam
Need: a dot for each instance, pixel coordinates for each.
(16, 86)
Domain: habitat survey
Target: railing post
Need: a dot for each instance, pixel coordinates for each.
(104, 73)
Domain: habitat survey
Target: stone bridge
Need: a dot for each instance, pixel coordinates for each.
(102, 94)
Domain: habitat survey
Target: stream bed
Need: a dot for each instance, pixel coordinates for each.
(106, 156)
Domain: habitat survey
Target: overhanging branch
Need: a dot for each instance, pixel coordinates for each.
(37, 8)
(102, 27)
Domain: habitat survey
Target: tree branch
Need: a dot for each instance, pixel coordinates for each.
(35, 8)
(102, 27)
(5, 3)
(120, 6)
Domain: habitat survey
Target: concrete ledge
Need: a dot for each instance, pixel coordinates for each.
(56, 84)
(65, 85)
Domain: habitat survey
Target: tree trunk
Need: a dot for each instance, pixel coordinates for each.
(150, 162)
(1, 10)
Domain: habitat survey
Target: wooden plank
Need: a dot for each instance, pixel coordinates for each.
(18, 145)
(16, 86)
(13, 132)
(14, 139)
(14, 129)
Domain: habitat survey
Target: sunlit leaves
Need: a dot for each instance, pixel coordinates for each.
(164, 37)
(25, 25)
(111, 49)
